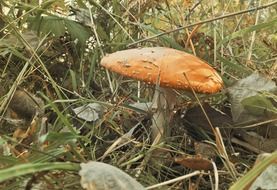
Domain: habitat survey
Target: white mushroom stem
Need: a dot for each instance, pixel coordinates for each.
(163, 104)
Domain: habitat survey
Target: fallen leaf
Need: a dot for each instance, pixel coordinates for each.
(195, 162)
(89, 112)
(101, 176)
(245, 88)
(259, 105)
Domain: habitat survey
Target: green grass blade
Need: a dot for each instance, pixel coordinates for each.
(255, 172)
(30, 168)
(269, 24)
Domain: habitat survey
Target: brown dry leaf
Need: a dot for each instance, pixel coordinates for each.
(196, 162)
(22, 133)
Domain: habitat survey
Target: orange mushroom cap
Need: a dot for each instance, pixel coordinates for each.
(166, 67)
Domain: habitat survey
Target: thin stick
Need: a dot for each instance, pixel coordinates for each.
(255, 124)
(175, 180)
(246, 145)
(216, 178)
(204, 21)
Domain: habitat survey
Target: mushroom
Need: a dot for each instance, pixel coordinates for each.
(168, 69)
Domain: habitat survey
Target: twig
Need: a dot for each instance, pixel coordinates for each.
(246, 145)
(203, 22)
(190, 35)
(175, 180)
(216, 178)
(192, 9)
(255, 124)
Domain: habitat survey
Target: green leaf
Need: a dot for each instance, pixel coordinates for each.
(259, 105)
(102, 33)
(63, 137)
(93, 62)
(77, 31)
(73, 80)
(58, 26)
(30, 168)
(52, 24)
(51, 153)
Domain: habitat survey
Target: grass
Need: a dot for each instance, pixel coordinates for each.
(55, 58)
